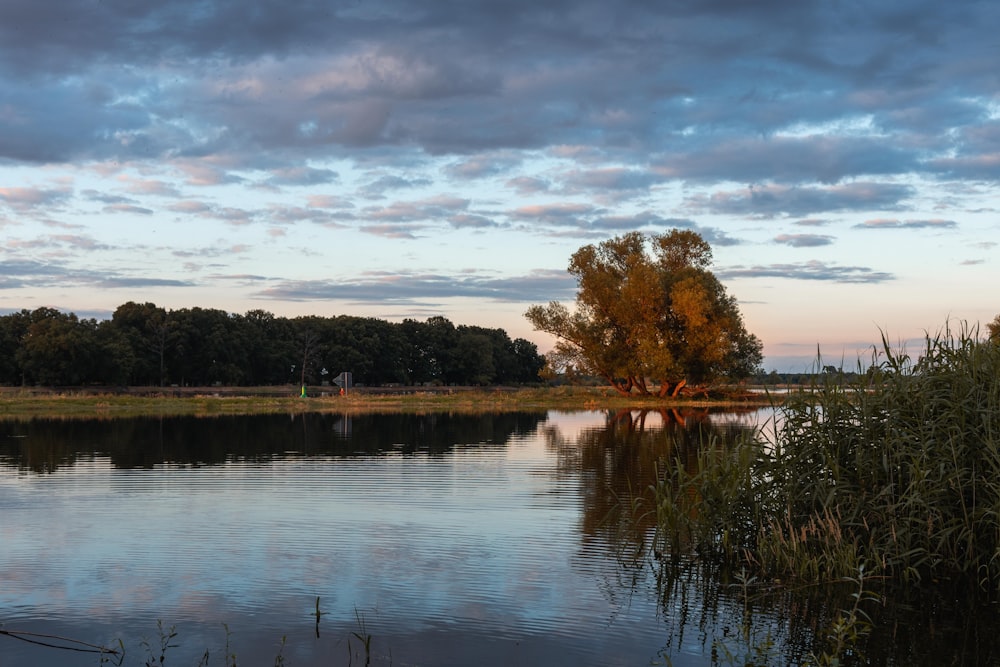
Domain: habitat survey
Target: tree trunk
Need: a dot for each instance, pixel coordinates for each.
(623, 388)
(640, 384)
(668, 388)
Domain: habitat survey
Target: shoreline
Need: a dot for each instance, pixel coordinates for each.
(19, 403)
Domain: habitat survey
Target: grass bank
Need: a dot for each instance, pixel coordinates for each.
(20, 403)
(896, 475)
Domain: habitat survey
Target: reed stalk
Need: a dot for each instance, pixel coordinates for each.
(898, 471)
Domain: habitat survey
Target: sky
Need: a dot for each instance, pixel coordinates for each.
(408, 159)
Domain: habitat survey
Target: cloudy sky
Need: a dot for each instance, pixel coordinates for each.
(410, 158)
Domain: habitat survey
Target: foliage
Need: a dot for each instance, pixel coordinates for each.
(899, 471)
(647, 307)
(994, 329)
(145, 345)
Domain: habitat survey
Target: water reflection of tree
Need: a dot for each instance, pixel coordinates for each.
(44, 445)
(620, 462)
(705, 607)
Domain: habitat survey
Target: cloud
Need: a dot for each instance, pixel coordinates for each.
(292, 214)
(106, 198)
(566, 213)
(528, 185)
(205, 174)
(790, 160)
(467, 221)
(645, 219)
(229, 214)
(813, 270)
(379, 187)
(803, 240)
(19, 273)
(393, 231)
(293, 176)
(233, 215)
(776, 200)
(128, 208)
(28, 199)
(481, 166)
(191, 207)
(430, 209)
(119, 282)
(151, 187)
(220, 249)
(214, 78)
(428, 288)
(57, 241)
(889, 223)
(328, 201)
(611, 178)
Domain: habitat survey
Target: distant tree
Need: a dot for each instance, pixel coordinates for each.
(647, 307)
(308, 347)
(489, 356)
(208, 348)
(269, 347)
(13, 329)
(430, 352)
(58, 348)
(528, 363)
(373, 350)
(472, 357)
(114, 353)
(151, 335)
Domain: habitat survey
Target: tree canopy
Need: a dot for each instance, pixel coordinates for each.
(649, 309)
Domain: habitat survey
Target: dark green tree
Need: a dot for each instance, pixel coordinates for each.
(115, 358)
(13, 329)
(151, 335)
(472, 357)
(430, 354)
(208, 349)
(270, 350)
(58, 348)
(528, 363)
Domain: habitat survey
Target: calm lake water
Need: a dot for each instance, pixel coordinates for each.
(437, 540)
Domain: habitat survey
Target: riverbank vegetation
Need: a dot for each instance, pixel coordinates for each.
(896, 475)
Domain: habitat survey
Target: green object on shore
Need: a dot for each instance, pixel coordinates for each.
(303, 394)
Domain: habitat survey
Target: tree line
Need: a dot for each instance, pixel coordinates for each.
(144, 344)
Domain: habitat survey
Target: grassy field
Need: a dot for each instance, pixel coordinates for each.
(21, 403)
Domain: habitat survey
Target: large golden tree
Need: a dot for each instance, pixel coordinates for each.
(648, 309)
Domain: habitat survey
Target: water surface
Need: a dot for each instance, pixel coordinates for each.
(446, 539)
(495, 539)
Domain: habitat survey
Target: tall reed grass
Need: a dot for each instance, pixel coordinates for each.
(897, 472)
